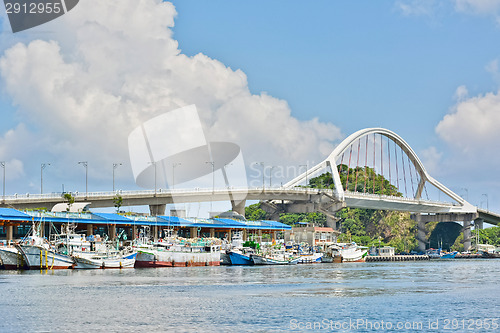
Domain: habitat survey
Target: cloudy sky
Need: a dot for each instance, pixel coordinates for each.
(285, 80)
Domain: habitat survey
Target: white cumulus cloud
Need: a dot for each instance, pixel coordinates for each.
(473, 124)
(108, 66)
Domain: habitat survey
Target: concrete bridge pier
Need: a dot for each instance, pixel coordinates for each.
(467, 235)
(156, 210)
(422, 242)
(239, 206)
(478, 223)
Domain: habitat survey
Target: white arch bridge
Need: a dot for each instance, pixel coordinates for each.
(373, 168)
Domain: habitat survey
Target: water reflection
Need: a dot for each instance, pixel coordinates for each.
(243, 298)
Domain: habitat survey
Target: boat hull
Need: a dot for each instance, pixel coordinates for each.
(240, 259)
(12, 258)
(154, 258)
(313, 258)
(96, 262)
(38, 257)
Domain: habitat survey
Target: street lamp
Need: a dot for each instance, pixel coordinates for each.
(173, 173)
(271, 176)
(213, 175)
(115, 166)
(263, 174)
(2, 164)
(213, 184)
(86, 165)
(154, 163)
(307, 167)
(42, 166)
(487, 204)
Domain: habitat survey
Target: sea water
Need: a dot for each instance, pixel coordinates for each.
(423, 296)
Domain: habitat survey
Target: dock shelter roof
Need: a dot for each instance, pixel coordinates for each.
(10, 214)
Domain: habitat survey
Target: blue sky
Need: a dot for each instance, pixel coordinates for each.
(402, 65)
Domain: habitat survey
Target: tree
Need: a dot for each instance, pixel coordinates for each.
(70, 199)
(255, 213)
(118, 201)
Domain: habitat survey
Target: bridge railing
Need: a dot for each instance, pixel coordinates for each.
(396, 198)
(77, 194)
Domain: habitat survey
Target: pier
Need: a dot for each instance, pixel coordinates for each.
(410, 257)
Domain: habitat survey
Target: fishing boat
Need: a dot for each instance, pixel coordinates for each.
(95, 261)
(241, 256)
(439, 254)
(310, 258)
(348, 252)
(41, 255)
(275, 258)
(11, 258)
(165, 254)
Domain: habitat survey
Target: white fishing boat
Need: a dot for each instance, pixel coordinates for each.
(95, 261)
(166, 254)
(11, 258)
(277, 257)
(38, 253)
(43, 256)
(349, 252)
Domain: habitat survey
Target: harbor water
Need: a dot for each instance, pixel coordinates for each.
(425, 296)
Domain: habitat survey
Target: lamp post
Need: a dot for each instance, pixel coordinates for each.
(42, 166)
(2, 164)
(487, 204)
(86, 165)
(213, 183)
(307, 167)
(115, 166)
(173, 173)
(263, 174)
(154, 164)
(213, 175)
(271, 176)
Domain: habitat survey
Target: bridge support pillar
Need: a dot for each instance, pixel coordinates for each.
(239, 207)
(467, 235)
(245, 235)
(156, 210)
(90, 229)
(229, 235)
(478, 223)
(10, 232)
(212, 233)
(421, 236)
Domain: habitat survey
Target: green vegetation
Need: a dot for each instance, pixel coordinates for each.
(363, 226)
(70, 199)
(118, 201)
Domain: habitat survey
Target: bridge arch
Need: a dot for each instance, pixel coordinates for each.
(331, 163)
